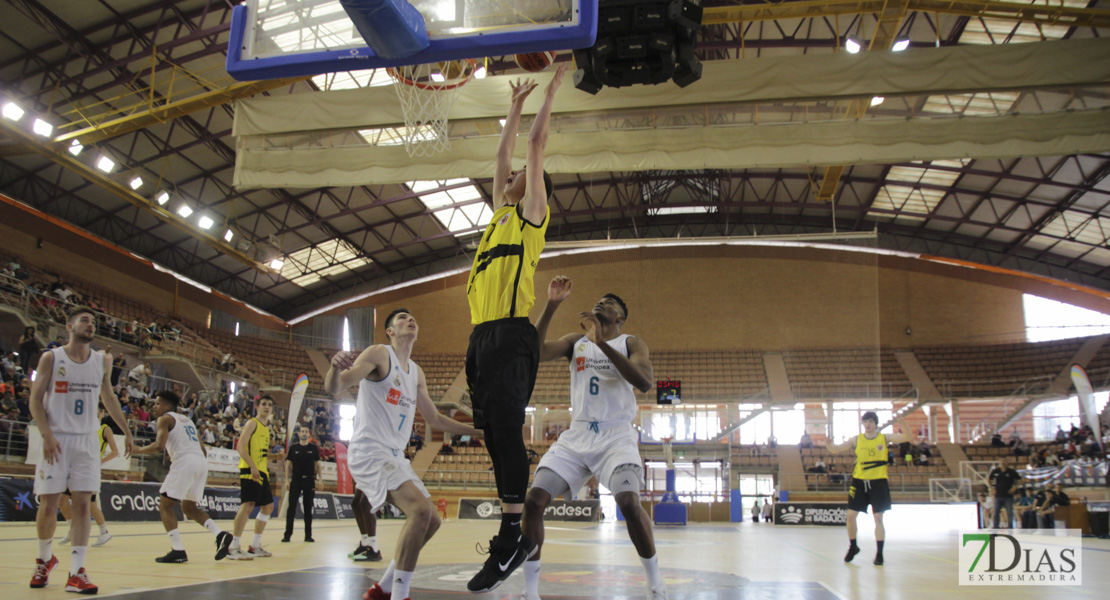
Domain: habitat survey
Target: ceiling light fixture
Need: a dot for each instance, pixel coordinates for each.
(277, 264)
(206, 222)
(105, 164)
(184, 211)
(163, 198)
(900, 45)
(228, 235)
(877, 100)
(75, 148)
(42, 128)
(136, 183)
(852, 46)
(13, 111)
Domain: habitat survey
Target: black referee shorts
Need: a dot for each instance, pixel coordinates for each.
(869, 492)
(501, 365)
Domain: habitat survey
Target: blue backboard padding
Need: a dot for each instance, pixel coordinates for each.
(392, 28)
(582, 35)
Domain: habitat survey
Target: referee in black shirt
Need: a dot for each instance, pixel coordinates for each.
(302, 470)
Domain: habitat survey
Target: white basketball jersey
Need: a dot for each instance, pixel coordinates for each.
(183, 438)
(598, 392)
(385, 408)
(73, 393)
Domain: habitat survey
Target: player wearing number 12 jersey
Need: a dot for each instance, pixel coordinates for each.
(606, 367)
(68, 384)
(185, 481)
(390, 389)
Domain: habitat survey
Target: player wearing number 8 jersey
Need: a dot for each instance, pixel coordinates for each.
(69, 383)
(390, 389)
(185, 481)
(869, 479)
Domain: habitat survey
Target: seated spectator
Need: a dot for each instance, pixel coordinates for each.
(1023, 510)
(834, 475)
(532, 455)
(57, 343)
(986, 510)
(806, 441)
(1061, 498)
(475, 442)
(1051, 459)
(1021, 448)
(1070, 452)
(772, 442)
(447, 449)
(23, 403)
(1046, 510)
(996, 441)
(818, 467)
(1014, 438)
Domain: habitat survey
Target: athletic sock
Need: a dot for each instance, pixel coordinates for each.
(852, 543)
(104, 529)
(879, 548)
(211, 526)
(46, 550)
(371, 542)
(651, 565)
(401, 581)
(235, 542)
(77, 559)
(532, 578)
(257, 543)
(510, 528)
(175, 540)
(386, 582)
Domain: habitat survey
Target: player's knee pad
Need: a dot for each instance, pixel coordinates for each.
(626, 478)
(550, 482)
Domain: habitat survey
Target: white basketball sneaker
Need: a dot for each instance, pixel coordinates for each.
(65, 540)
(102, 539)
(260, 552)
(238, 554)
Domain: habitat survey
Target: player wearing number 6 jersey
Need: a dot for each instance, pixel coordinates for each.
(185, 482)
(69, 383)
(390, 388)
(870, 486)
(606, 367)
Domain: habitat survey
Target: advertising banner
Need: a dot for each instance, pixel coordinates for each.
(818, 513)
(17, 500)
(343, 506)
(558, 510)
(223, 460)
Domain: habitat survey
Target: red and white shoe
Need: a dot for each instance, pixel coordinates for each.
(376, 593)
(79, 583)
(42, 571)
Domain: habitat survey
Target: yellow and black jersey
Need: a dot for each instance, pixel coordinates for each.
(103, 433)
(258, 448)
(871, 457)
(501, 280)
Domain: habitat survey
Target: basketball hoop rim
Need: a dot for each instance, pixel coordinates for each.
(435, 87)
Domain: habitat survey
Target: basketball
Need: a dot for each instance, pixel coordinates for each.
(534, 62)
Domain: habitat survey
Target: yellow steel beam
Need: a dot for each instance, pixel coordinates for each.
(173, 110)
(886, 29)
(1009, 11)
(59, 154)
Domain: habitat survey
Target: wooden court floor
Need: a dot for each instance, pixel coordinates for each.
(700, 562)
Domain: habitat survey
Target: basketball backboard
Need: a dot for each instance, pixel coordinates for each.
(291, 38)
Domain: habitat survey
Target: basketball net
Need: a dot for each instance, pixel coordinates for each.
(427, 92)
(668, 452)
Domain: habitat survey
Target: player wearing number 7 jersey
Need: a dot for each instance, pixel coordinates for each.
(67, 385)
(185, 481)
(390, 388)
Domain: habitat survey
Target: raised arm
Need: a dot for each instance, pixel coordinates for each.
(348, 368)
(165, 422)
(503, 166)
(557, 291)
(534, 204)
(635, 368)
(842, 446)
(433, 417)
(906, 435)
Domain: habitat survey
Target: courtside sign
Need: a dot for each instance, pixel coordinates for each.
(1030, 557)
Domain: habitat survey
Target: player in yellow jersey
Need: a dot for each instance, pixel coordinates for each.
(254, 481)
(108, 451)
(504, 351)
(870, 486)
